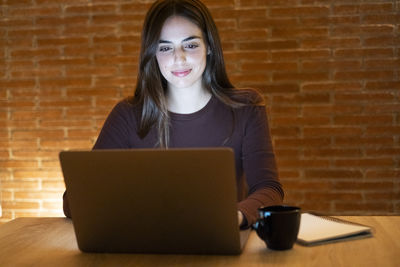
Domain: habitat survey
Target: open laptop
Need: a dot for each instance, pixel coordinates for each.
(176, 201)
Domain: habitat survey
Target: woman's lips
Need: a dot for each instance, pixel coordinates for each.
(181, 73)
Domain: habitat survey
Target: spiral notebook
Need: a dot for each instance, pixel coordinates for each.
(317, 230)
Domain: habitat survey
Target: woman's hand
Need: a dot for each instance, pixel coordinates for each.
(240, 217)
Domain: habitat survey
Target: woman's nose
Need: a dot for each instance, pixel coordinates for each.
(180, 55)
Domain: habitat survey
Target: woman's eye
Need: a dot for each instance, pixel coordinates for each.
(164, 48)
(192, 46)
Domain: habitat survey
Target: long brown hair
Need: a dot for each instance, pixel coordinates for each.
(150, 92)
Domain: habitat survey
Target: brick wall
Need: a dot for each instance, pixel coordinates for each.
(329, 71)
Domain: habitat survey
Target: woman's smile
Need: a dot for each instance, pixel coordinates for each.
(181, 73)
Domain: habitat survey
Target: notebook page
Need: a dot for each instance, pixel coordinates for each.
(314, 228)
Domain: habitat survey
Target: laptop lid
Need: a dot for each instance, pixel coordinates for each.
(180, 201)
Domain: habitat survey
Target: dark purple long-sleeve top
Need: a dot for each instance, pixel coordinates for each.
(244, 129)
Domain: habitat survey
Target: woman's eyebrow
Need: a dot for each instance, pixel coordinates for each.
(184, 40)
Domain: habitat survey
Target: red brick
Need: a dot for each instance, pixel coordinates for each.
(62, 41)
(85, 113)
(106, 60)
(19, 104)
(382, 41)
(387, 108)
(365, 162)
(96, 71)
(287, 153)
(332, 86)
(246, 56)
(300, 76)
(333, 42)
(331, 65)
(299, 32)
(244, 35)
(332, 174)
(382, 85)
(364, 97)
(395, 151)
(300, 54)
(37, 195)
(66, 144)
(35, 114)
(333, 196)
(25, 83)
(382, 174)
(87, 30)
(100, 8)
(373, 207)
(364, 52)
(53, 184)
(256, 23)
(15, 22)
(29, 184)
(334, 20)
(257, 3)
(285, 131)
(235, 13)
(57, 21)
(50, 164)
(279, 66)
(14, 3)
(277, 88)
(65, 103)
(14, 33)
(66, 82)
(363, 120)
(300, 121)
(134, 7)
(54, 204)
(250, 78)
(364, 141)
(366, 185)
(302, 98)
(35, 72)
(390, 196)
(376, 8)
(365, 75)
(332, 131)
(346, 9)
(66, 62)
(20, 205)
(302, 142)
(383, 130)
(389, 18)
(333, 152)
(30, 154)
(297, 185)
(317, 206)
(18, 164)
(263, 45)
(299, 11)
(21, 134)
(304, 164)
(382, 63)
(32, 53)
(38, 11)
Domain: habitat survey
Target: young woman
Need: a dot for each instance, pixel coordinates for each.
(183, 98)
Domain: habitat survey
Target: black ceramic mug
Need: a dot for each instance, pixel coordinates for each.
(278, 226)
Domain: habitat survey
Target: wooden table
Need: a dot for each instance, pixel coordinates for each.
(51, 242)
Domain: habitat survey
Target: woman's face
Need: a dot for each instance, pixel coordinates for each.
(181, 53)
